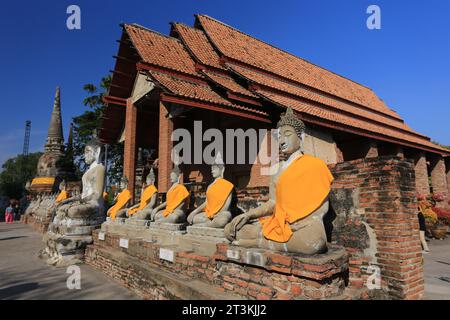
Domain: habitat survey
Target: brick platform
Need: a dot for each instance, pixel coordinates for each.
(38, 224)
(276, 276)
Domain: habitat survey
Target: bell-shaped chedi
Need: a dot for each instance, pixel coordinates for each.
(51, 167)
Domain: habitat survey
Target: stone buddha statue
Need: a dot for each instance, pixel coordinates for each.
(77, 216)
(63, 195)
(91, 200)
(215, 211)
(173, 210)
(292, 219)
(143, 210)
(122, 200)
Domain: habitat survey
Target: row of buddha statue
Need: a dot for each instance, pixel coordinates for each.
(290, 221)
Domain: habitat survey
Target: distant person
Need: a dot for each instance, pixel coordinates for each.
(422, 229)
(9, 214)
(16, 212)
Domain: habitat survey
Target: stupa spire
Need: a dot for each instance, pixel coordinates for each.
(55, 138)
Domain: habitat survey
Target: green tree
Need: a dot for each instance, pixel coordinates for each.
(87, 123)
(16, 172)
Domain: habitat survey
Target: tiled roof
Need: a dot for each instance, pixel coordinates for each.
(157, 49)
(228, 83)
(237, 45)
(199, 45)
(342, 119)
(194, 61)
(196, 91)
(358, 111)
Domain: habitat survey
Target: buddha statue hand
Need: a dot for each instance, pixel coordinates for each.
(237, 223)
(190, 218)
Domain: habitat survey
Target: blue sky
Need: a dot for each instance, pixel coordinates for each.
(406, 62)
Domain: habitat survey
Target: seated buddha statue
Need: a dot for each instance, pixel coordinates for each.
(292, 219)
(143, 209)
(214, 212)
(63, 195)
(173, 209)
(90, 201)
(122, 200)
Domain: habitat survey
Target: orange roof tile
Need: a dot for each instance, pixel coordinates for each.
(370, 115)
(228, 83)
(345, 120)
(196, 91)
(197, 43)
(157, 49)
(239, 46)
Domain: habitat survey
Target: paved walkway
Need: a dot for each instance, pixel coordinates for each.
(437, 270)
(24, 276)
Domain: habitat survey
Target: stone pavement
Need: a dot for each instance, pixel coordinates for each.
(24, 276)
(437, 270)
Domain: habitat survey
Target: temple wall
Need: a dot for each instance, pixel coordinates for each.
(421, 173)
(374, 216)
(320, 144)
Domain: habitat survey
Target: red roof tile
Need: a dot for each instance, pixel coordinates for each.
(237, 45)
(344, 120)
(228, 83)
(197, 43)
(157, 49)
(195, 91)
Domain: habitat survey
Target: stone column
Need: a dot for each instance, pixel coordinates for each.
(439, 179)
(165, 164)
(421, 172)
(447, 168)
(129, 161)
(372, 151)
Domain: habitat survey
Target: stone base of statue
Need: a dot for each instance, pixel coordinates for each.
(130, 228)
(155, 270)
(66, 240)
(165, 233)
(203, 240)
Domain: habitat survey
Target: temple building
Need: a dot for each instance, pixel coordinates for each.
(216, 74)
(52, 168)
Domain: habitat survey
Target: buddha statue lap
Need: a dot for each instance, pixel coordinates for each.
(292, 219)
(215, 211)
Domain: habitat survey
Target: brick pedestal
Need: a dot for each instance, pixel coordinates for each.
(439, 179)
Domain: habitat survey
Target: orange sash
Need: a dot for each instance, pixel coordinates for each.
(122, 200)
(300, 190)
(174, 198)
(62, 196)
(216, 195)
(145, 199)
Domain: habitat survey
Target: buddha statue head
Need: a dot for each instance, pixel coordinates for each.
(92, 151)
(175, 175)
(291, 132)
(150, 179)
(218, 167)
(123, 184)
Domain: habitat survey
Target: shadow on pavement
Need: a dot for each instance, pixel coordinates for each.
(12, 291)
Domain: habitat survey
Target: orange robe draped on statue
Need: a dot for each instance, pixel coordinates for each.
(145, 199)
(216, 195)
(174, 198)
(61, 196)
(300, 190)
(122, 200)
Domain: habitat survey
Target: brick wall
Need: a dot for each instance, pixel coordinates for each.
(165, 164)
(129, 161)
(376, 220)
(439, 179)
(194, 276)
(421, 173)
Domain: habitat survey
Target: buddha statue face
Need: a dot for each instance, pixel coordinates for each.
(174, 176)
(291, 132)
(289, 140)
(62, 186)
(91, 154)
(150, 178)
(217, 171)
(123, 183)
